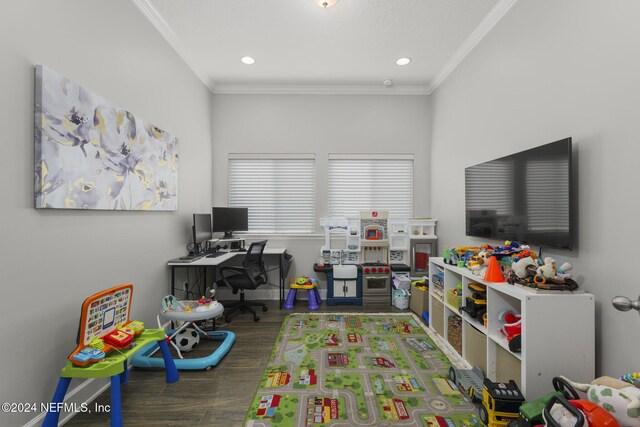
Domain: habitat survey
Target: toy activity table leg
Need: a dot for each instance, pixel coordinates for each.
(119, 374)
(116, 401)
(51, 419)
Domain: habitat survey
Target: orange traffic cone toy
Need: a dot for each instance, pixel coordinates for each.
(493, 274)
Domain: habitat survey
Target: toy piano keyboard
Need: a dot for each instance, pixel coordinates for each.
(188, 312)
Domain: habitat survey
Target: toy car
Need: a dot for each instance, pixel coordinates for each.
(475, 306)
(468, 380)
(531, 412)
(500, 403)
(586, 414)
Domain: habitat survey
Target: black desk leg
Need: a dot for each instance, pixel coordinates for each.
(173, 279)
(281, 281)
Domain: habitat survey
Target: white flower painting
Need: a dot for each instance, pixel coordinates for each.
(90, 154)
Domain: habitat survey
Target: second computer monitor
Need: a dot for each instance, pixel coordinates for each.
(201, 230)
(228, 220)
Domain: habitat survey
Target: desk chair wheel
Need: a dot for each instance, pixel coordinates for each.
(264, 308)
(256, 318)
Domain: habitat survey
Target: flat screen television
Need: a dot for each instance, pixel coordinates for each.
(228, 220)
(523, 197)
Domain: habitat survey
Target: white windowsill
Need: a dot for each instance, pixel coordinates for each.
(283, 236)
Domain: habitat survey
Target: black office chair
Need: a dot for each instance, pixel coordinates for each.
(251, 275)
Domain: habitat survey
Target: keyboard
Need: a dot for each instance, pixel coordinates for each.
(186, 259)
(215, 255)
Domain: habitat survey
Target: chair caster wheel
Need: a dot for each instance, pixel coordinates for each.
(256, 318)
(264, 308)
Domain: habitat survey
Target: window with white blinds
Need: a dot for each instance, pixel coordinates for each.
(489, 186)
(547, 189)
(279, 191)
(370, 182)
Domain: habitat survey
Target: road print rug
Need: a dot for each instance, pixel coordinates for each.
(358, 369)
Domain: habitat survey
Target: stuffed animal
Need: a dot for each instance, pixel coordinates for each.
(562, 272)
(546, 271)
(480, 262)
(618, 397)
(524, 267)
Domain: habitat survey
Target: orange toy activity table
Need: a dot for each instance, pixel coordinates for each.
(107, 340)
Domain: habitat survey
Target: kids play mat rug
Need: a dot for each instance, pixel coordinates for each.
(358, 370)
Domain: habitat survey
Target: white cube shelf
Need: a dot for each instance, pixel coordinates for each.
(558, 331)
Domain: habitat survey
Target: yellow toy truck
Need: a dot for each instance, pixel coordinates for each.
(500, 403)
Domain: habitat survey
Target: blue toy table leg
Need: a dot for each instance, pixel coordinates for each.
(169, 365)
(116, 403)
(124, 376)
(51, 419)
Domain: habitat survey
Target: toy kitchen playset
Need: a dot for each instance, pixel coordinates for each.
(364, 256)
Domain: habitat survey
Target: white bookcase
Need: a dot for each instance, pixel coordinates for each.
(558, 331)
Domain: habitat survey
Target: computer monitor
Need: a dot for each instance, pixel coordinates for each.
(202, 232)
(228, 220)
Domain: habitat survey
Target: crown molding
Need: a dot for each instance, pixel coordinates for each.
(152, 14)
(487, 24)
(256, 89)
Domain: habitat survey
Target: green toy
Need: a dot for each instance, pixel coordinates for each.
(531, 412)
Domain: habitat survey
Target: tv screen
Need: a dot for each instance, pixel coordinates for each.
(228, 220)
(524, 197)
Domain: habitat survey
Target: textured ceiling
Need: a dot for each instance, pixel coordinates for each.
(296, 42)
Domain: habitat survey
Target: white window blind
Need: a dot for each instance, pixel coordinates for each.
(279, 192)
(547, 189)
(489, 186)
(367, 182)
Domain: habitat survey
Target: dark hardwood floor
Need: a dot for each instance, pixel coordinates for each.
(218, 397)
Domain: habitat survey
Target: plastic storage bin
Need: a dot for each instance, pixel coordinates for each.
(419, 301)
(454, 299)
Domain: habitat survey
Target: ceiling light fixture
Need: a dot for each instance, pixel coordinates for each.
(403, 61)
(325, 3)
(248, 60)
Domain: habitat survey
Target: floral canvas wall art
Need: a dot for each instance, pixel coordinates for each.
(90, 154)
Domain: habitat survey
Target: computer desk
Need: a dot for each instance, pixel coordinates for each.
(205, 262)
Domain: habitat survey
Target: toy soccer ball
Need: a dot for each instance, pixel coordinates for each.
(187, 339)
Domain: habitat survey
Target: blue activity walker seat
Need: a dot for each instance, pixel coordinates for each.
(188, 312)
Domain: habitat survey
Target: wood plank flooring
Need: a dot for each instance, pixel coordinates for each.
(219, 397)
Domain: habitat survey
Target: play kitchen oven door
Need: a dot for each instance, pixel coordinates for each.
(421, 249)
(376, 285)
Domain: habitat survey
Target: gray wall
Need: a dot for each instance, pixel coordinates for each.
(50, 261)
(552, 69)
(319, 124)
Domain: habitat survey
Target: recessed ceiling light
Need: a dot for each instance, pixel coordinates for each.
(403, 61)
(247, 60)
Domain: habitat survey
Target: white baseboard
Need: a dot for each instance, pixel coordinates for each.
(69, 399)
(262, 293)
